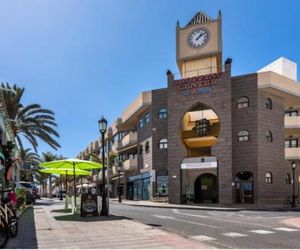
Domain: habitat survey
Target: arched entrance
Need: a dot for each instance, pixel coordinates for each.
(206, 189)
(244, 193)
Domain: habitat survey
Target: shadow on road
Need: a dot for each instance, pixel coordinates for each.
(77, 217)
(26, 238)
(61, 211)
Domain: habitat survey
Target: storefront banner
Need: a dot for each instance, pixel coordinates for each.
(140, 176)
(199, 165)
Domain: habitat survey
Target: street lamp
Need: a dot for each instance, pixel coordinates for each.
(102, 128)
(119, 168)
(293, 165)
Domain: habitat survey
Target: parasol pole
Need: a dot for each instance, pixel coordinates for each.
(66, 182)
(74, 183)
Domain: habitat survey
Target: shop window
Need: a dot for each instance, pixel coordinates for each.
(291, 143)
(288, 179)
(163, 143)
(243, 102)
(269, 136)
(269, 104)
(141, 149)
(269, 178)
(147, 118)
(141, 123)
(243, 135)
(147, 147)
(163, 113)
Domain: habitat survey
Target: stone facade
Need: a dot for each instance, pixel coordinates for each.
(219, 99)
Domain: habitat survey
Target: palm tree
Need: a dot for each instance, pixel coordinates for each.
(32, 121)
(46, 157)
(31, 158)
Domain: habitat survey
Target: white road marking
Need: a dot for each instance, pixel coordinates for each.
(202, 238)
(186, 221)
(176, 211)
(164, 217)
(234, 234)
(261, 231)
(286, 229)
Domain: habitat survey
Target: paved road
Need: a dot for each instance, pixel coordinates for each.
(221, 229)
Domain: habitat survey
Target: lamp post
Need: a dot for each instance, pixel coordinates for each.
(293, 165)
(102, 127)
(119, 168)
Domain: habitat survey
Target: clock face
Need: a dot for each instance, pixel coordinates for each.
(198, 38)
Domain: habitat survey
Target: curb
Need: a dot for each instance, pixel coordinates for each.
(211, 208)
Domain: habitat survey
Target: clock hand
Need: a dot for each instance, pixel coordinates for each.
(200, 36)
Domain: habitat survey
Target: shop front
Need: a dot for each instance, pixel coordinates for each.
(139, 187)
(200, 182)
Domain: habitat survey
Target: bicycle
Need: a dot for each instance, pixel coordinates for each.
(288, 202)
(8, 219)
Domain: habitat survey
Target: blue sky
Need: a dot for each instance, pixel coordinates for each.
(85, 58)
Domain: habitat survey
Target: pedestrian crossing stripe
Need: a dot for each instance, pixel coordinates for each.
(286, 229)
(234, 234)
(202, 238)
(261, 231)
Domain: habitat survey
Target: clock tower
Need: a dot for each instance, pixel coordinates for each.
(199, 46)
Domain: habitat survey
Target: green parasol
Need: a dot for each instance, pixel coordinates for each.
(72, 163)
(64, 171)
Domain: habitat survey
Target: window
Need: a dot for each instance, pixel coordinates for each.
(291, 113)
(141, 149)
(243, 102)
(147, 147)
(288, 179)
(162, 113)
(269, 103)
(147, 118)
(291, 143)
(141, 123)
(243, 135)
(269, 136)
(269, 178)
(163, 143)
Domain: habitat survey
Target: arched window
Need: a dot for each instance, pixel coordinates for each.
(163, 143)
(243, 135)
(269, 136)
(269, 178)
(162, 113)
(269, 104)
(147, 118)
(147, 147)
(288, 179)
(243, 102)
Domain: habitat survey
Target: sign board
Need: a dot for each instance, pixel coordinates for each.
(198, 85)
(89, 205)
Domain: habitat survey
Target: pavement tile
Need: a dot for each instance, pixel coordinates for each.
(106, 233)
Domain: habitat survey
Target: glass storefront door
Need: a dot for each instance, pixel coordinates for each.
(244, 188)
(139, 187)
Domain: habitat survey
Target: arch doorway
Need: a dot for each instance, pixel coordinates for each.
(244, 193)
(206, 189)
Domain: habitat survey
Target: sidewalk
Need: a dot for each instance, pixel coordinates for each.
(49, 226)
(211, 207)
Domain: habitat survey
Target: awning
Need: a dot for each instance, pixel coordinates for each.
(208, 162)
